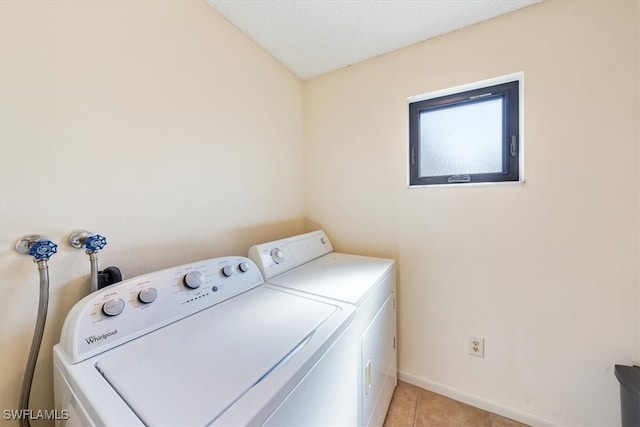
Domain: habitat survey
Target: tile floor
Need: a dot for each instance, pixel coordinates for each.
(412, 406)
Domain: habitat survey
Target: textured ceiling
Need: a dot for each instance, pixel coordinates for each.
(313, 37)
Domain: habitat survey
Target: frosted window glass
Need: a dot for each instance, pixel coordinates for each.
(464, 139)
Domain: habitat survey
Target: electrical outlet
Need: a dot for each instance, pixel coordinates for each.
(476, 346)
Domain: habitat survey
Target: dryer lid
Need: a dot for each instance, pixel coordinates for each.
(191, 371)
(344, 277)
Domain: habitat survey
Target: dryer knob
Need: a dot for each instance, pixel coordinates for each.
(147, 295)
(277, 255)
(227, 271)
(113, 307)
(193, 279)
(243, 267)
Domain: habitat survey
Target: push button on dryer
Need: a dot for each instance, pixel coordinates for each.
(277, 255)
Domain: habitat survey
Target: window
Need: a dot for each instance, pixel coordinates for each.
(467, 135)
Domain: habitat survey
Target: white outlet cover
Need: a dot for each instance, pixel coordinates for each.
(476, 346)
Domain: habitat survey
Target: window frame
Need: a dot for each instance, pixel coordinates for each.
(510, 89)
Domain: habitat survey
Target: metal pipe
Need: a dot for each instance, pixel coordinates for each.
(93, 259)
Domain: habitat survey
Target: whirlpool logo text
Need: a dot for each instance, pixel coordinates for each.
(97, 338)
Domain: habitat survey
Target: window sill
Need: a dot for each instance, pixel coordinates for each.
(472, 184)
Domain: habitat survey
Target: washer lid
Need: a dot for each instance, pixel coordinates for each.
(190, 372)
(344, 277)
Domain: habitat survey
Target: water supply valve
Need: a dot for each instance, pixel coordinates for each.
(39, 247)
(95, 243)
(92, 242)
(43, 249)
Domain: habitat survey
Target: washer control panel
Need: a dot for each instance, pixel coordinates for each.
(280, 256)
(131, 308)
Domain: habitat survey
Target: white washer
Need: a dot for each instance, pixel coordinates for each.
(201, 344)
(308, 265)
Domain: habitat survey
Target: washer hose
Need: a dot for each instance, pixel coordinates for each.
(43, 303)
(93, 259)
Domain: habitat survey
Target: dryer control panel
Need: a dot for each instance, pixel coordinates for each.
(142, 304)
(280, 256)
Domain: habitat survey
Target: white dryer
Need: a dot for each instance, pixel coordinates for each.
(306, 264)
(203, 344)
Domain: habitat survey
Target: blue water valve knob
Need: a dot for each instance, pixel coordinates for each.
(95, 243)
(43, 249)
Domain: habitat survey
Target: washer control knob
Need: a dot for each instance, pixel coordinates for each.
(227, 271)
(147, 295)
(277, 255)
(113, 307)
(243, 267)
(193, 279)
(323, 240)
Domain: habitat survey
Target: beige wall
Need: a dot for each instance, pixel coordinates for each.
(546, 272)
(154, 123)
(162, 127)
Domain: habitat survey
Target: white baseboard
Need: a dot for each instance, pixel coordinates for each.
(476, 401)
